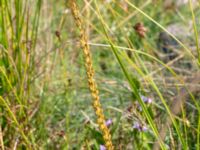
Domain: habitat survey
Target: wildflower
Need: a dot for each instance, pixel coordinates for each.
(102, 147)
(109, 122)
(144, 128)
(136, 125)
(146, 99)
(140, 127)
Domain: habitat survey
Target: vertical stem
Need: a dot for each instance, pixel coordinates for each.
(90, 74)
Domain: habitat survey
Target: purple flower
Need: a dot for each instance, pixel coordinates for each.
(102, 147)
(109, 122)
(146, 99)
(136, 125)
(144, 129)
(150, 100)
(140, 127)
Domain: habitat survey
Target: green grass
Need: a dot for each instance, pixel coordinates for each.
(44, 98)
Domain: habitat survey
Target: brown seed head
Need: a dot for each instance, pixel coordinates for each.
(140, 29)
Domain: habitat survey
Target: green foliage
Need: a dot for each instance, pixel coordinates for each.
(44, 97)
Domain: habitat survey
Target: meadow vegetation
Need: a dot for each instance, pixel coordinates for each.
(99, 74)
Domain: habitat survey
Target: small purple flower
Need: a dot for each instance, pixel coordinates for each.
(102, 147)
(109, 122)
(144, 129)
(146, 99)
(150, 100)
(140, 127)
(136, 125)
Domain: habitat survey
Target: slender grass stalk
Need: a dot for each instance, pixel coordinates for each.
(195, 30)
(198, 57)
(184, 125)
(90, 74)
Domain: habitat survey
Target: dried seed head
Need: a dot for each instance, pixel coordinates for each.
(140, 29)
(57, 33)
